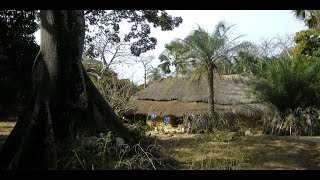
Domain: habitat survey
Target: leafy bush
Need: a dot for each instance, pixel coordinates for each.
(290, 83)
(293, 87)
(307, 43)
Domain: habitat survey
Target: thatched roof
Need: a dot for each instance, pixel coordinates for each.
(189, 95)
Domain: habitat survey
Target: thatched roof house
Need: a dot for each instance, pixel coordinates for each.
(189, 95)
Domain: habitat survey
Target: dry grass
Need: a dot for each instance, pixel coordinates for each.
(7, 125)
(201, 152)
(5, 129)
(106, 155)
(258, 152)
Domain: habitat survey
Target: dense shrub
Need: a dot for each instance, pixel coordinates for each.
(290, 83)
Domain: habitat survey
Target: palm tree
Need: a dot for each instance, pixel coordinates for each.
(155, 74)
(175, 54)
(310, 17)
(207, 49)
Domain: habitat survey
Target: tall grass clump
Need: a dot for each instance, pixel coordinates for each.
(107, 152)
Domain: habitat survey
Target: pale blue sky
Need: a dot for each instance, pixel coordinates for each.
(255, 24)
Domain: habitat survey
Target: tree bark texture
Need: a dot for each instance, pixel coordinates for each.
(210, 80)
(65, 100)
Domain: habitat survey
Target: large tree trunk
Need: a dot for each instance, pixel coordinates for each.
(65, 101)
(210, 73)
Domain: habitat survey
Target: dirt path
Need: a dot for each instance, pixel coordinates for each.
(261, 152)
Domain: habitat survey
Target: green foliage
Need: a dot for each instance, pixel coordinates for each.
(17, 41)
(155, 74)
(17, 44)
(310, 17)
(17, 28)
(226, 67)
(209, 48)
(290, 83)
(175, 54)
(308, 43)
(246, 62)
(108, 22)
(202, 50)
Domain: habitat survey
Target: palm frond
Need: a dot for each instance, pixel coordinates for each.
(290, 83)
(165, 67)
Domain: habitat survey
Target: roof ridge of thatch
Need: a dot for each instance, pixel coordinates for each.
(230, 89)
